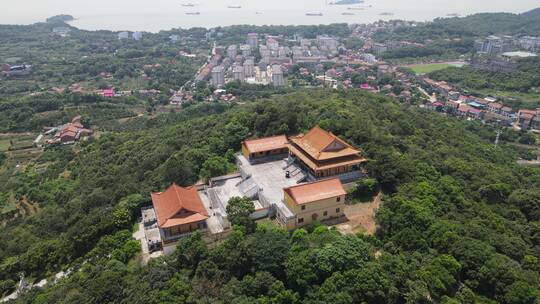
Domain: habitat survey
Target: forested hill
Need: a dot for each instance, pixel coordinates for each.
(477, 25)
(459, 223)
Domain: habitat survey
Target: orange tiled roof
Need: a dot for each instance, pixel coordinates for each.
(315, 191)
(170, 203)
(266, 144)
(328, 164)
(323, 145)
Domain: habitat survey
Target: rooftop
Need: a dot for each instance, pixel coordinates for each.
(177, 206)
(322, 145)
(519, 54)
(315, 191)
(270, 177)
(266, 144)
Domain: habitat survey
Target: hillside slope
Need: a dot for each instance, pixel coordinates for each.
(460, 223)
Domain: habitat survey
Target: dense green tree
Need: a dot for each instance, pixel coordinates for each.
(214, 166)
(528, 201)
(191, 251)
(239, 210)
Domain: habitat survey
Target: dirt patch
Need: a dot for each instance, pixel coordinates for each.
(360, 217)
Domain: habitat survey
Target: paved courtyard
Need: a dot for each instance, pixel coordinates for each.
(270, 177)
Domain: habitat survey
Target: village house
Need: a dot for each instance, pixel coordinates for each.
(435, 106)
(452, 106)
(524, 118)
(68, 133)
(495, 107)
(107, 93)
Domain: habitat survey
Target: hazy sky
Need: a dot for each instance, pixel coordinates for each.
(164, 14)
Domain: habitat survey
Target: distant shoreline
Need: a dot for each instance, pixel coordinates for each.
(212, 17)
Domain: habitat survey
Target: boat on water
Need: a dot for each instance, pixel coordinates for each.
(193, 13)
(345, 2)
(234, 6)
(188, 4)
(387, 14)
(360, 8)
(258, 13)
(314, 14)
(347, 14)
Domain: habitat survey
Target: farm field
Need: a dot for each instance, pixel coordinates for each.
(4, 144)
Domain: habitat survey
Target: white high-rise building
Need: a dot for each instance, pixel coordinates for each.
(246, 50)
(123, 35)
(253, 40)
(277, 76)
(326, 43)
(249, 68)
(137, 35)
(232, 51)
(218, 76)
(238, 73)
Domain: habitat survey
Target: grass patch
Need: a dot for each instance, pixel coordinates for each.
(429, 67)
(135, 227)
(8, 208)
(4, 144)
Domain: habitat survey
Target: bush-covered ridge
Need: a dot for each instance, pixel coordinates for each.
(460, 222)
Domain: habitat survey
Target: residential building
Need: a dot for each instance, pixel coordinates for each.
(232, 51)
(495, 107)
(369, 58)
(218, 76)
(507, 112)
(529, 119)
(253, 40)
(327, 44)
(311, 202)
(137, 35)
(179, 211)
(70, 132)
(16, 70)
(62, 31)
(272, 44)
(379, 48)
(493, 45)
(277, 76)
(249, 68)
(107, 93)
(238, 73)
(245, 49)
(530, 43)
(123, 35)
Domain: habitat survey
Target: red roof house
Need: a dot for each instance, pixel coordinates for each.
(108, 93)
(178, 211)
